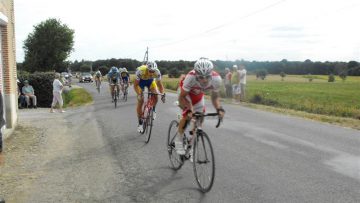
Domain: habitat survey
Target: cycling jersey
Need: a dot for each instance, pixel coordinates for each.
(113, 77)
(146, 78)
(98, 74)
(196, 91)
(142, 73)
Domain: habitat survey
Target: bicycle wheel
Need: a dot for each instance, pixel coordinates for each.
(204, 161)
(149, 121)
(175, 158)
(125, 94)
(115, 98)
(144, 120)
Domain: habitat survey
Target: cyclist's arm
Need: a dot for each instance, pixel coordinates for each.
(136, 85)
(215, 99)
(160, 85)
(183, 102)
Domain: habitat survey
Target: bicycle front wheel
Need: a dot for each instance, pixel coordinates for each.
(175, 158)
(115, 97)
(149, 121)
(204, 162)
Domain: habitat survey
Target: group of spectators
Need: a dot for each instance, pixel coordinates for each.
(27, 97)
(235, 82)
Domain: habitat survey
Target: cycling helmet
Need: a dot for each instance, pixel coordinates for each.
(151, 65)
(203, 66)
(114, 69)
(124, 69)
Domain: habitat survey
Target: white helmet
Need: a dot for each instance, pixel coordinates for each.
(124, 69)
(151, 65)
(203, 66)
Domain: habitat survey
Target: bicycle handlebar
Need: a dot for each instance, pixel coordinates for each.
(200, 115)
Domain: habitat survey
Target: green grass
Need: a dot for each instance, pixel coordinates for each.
(337, 98)
(77, 97)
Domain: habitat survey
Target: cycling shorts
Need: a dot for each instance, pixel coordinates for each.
(150, 84)
(125, 79)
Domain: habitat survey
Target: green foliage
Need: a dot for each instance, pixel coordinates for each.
(343, 75)
(282, 74)
(85, 68)
(76, 97)
(331, 78)
(48, 46)
(42, 84)
(174, 73)
(262, 73)
(104, 70)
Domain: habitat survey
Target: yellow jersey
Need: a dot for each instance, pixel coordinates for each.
(142, 73)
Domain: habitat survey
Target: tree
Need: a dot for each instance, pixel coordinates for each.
(85, 67)
(343, 75)
(283, 75)
(262, 74)
(48, 46)
(331, 78)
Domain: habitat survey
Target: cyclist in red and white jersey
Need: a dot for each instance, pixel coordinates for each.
(191, 99)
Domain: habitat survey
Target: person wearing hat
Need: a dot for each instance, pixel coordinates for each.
(29, 93)
(235, 82)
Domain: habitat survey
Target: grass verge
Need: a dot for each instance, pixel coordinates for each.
(77, 97)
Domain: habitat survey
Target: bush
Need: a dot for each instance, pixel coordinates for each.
(331, 78)
(42, 84)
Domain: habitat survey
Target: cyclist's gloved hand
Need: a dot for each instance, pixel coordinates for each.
(221, 112)
(163, 98)
(140, 97)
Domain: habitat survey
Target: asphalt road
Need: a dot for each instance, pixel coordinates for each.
(260, 156)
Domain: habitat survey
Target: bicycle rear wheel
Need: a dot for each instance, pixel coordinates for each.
(175, 159)
(149, 121)
(204, 161)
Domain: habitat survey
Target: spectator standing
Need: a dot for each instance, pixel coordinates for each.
(242, 72)
(29, 93)
(227, 82)
(57, 90)
(235, 82)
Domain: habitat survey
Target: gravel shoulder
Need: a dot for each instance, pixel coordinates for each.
(58, 157)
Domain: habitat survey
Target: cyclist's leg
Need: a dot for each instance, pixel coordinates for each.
(140, 103)
(154, 89)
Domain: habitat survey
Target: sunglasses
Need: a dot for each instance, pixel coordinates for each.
(202, 77)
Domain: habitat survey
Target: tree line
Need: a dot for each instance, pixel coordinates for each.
(51, 42)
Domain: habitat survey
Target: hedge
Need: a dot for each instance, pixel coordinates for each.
(42, 84)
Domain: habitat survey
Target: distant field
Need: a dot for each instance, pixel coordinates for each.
(296, 92)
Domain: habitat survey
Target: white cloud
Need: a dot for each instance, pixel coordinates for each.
(188, 29)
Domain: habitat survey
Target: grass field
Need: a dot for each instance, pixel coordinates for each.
(296, 92)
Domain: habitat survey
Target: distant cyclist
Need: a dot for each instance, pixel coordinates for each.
(98, 77)
(114, 79)
(147, 76)
(124, 79)
(191, 99)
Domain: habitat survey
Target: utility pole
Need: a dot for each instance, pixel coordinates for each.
(146, 57)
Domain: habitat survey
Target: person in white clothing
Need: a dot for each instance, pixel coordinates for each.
(57, 90)
(242, 82)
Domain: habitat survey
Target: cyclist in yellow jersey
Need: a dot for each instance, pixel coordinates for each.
(147, 76)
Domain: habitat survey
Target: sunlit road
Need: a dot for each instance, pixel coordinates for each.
(260, 156)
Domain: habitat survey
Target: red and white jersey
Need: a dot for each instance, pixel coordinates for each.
(191, 85)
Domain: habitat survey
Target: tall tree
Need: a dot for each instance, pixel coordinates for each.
(48, 46)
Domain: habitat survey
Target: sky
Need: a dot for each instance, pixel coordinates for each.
(261, 30)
